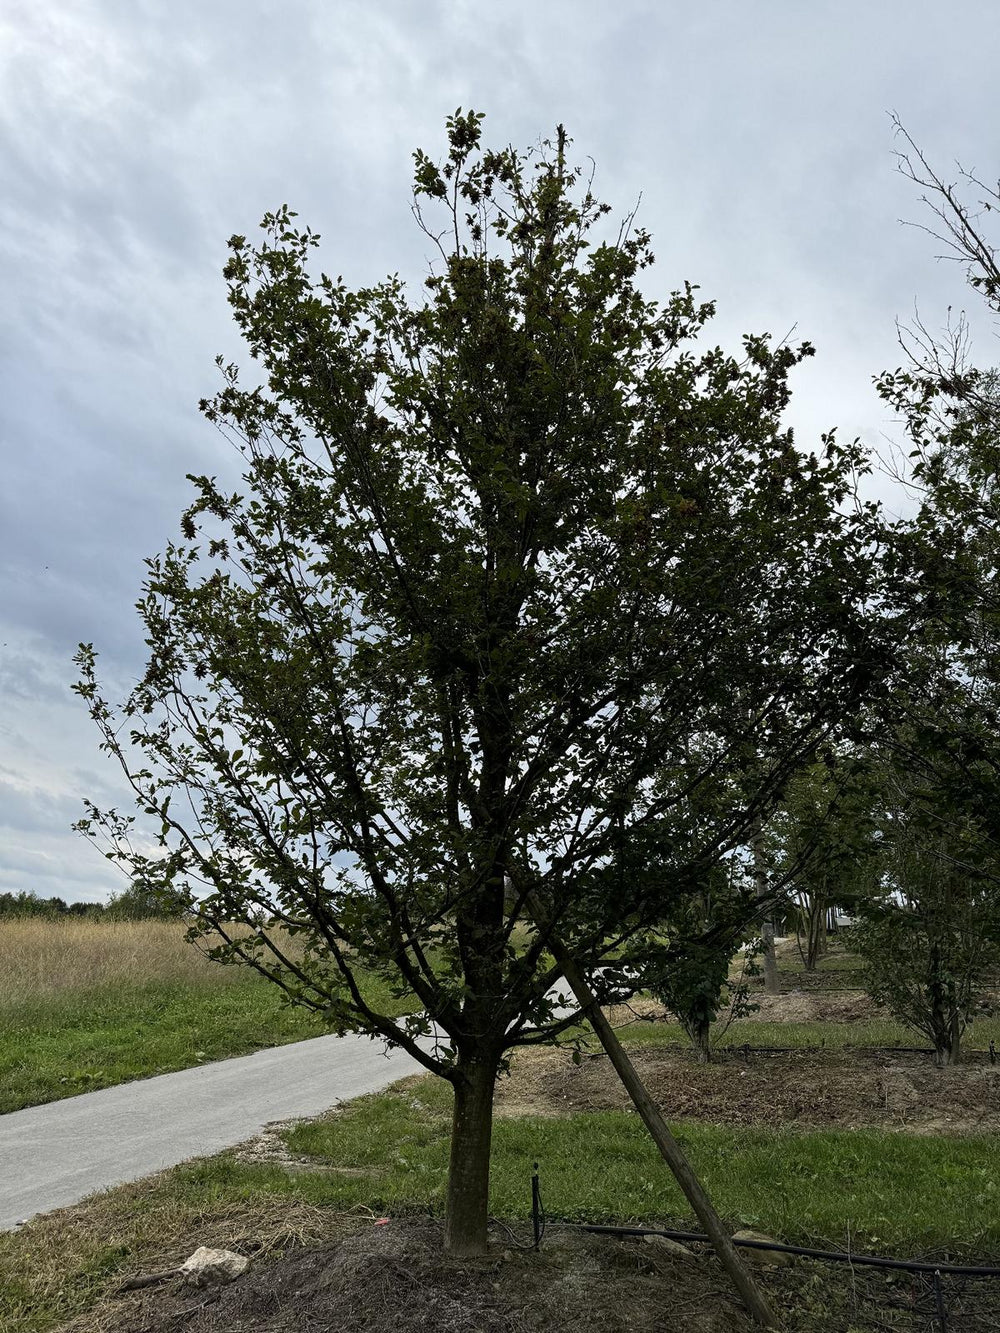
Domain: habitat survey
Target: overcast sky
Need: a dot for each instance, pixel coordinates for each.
(137, 135)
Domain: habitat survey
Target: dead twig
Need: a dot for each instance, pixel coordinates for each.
(147, 1280)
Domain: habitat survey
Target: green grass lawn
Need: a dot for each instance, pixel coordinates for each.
(889, 1192)
(892, 1192)
(60, 1044)
(74, 1042)
(836, 959)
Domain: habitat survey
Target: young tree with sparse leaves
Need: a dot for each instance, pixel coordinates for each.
(943, 564)
(520, 570)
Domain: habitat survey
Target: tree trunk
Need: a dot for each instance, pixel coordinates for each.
(944, 1023)
(956, 1036)
(700, 1034)
(767, 927)
(947, 1029)
(669, 1148)
(944, 1055)
(467, 1207)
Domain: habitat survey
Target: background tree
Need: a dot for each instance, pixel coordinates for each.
(690, 974)
(929, 933)
(142, 901)
(942, 564)
(942, 589)
(822, 841)
(514, 562)
(27, 903)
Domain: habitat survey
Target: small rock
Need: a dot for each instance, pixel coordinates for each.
(669, 1246)
(206, 1267)
(767, 1258)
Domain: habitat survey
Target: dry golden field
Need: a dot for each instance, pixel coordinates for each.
(42, 958)
(87, 1004)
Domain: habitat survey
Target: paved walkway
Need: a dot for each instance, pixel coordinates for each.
(57, 1154)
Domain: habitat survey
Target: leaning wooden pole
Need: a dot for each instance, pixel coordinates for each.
(670, 1149)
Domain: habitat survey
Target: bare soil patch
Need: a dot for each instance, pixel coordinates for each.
(395, 1277)
(810, 1089)
(816, 1006)
(792, 1006)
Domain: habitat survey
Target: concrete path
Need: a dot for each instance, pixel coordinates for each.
(57, 1154)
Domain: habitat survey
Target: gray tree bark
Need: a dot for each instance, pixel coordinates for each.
(467, 1204)
(771, 985)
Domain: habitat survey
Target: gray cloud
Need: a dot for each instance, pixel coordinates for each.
(136, 138)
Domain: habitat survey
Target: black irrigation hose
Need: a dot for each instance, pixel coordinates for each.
(835, 1256)
(743, 1047)
(792, 1050)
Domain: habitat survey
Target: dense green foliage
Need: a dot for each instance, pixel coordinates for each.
(511, 557)
(691, 974)
(823, 842)
(530, 598)
(932, 925)
(929, 929)
(531, 615)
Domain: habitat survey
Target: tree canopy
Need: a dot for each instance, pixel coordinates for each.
(531, 597)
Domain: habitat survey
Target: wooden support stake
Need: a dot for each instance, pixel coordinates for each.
(670, 1149)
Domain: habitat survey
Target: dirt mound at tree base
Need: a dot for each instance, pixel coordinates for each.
(395, 1279)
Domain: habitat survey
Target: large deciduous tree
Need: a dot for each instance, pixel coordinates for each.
(521, 570)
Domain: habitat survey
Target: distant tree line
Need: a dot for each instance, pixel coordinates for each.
(134, 904)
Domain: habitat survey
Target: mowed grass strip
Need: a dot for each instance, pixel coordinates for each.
(86, 1005)
(893, 1192)
(388, 1153)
